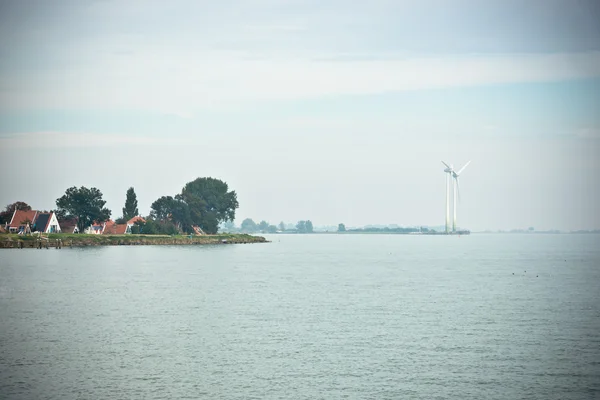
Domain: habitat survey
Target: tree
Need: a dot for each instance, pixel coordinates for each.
(152, 227)
(248, 225)
(85, 204)
(6, 215)
(209, 202)
(162, 208)
(138, 227)
(309, 226)
(272, 229)
(263, 225)
(174, 210)
(282, 226)
(131, 205)
(341, 228)
(301, 226)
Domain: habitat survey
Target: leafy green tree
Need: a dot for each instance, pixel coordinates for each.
(162, 208)
(167, 208)
(272, 229)
(131, 205)
(341, 228)
(263, 226)
(210, 202)
(153, 227)
(248, 225)
(150, 227)
(309, 226)
(85, 204)
(8, 212)
(301, 226)
(282, 226)
(138, 227)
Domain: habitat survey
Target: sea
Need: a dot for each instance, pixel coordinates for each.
(321, 316)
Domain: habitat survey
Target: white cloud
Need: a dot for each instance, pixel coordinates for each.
(60, 140)
(176, 81)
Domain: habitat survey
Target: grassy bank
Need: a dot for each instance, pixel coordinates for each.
(83, 240)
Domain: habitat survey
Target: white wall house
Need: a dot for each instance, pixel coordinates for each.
(47, 223)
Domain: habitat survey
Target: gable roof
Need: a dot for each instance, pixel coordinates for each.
(42, 221)
(68, 225)
(21, 215)
(115, 229)
(135, 219)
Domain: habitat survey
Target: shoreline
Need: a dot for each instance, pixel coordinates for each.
(60, 240)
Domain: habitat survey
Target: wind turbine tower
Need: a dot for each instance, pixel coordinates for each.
(452, 175)
(448, 172)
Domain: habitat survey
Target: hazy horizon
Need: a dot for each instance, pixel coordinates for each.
(328, 111)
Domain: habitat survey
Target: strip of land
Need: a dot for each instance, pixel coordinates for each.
(61, 240)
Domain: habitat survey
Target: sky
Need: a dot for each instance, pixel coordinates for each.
(327, 110)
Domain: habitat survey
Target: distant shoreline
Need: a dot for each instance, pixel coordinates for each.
(58, 240)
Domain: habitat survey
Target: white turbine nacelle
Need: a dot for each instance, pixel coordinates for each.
(455, 190)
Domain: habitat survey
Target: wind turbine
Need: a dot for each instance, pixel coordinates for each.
(455, 190)
(448, 170)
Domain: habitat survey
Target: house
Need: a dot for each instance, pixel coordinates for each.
(97, 228)
(68, 225)
(33, 221)
(131, 223)
(112, 228)
(46, 223)
(133, 220)
(22, 221)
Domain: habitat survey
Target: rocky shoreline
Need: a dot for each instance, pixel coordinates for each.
(60, 241)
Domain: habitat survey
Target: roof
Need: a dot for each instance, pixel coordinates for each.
(20, 215)
(67, 225)
(42, 221)
(135, 219)
(115, 229)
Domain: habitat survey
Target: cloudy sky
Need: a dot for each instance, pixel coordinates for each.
(322, 110)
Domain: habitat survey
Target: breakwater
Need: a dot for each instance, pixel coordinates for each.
(59, 241)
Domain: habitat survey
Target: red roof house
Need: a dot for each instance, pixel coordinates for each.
(22, 221)
(115, 229)
(32, 220)
(68, 225)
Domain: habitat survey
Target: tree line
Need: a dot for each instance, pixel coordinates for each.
(248, 225)
(204, 202)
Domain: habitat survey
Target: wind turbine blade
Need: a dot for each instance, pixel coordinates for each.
(447, 166)
(457, 188)
(463, 168)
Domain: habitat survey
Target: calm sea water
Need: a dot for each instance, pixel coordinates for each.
(306, 317)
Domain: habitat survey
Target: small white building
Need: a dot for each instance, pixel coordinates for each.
(46, 223)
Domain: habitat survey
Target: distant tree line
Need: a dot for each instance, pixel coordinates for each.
(248, 225)
(387, 229)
